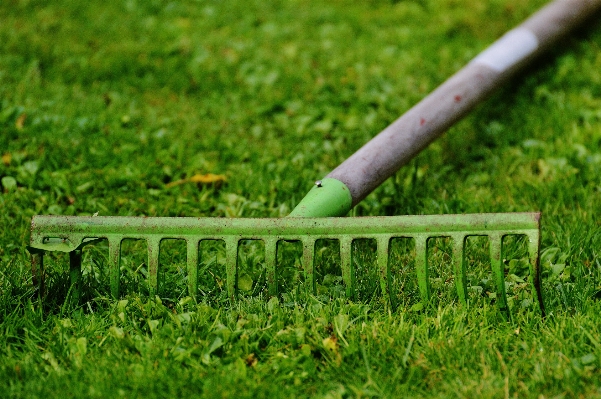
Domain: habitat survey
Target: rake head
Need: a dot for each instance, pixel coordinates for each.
(71, 233)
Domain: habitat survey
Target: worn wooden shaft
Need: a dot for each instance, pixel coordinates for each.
(412, 132)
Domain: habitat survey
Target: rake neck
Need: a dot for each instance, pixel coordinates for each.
(329, 197)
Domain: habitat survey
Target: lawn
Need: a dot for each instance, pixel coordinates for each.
(112, 108)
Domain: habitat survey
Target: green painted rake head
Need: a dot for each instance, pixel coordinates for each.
(71, 234)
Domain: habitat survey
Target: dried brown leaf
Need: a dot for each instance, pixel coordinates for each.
(20, 122)
(200, 179)
(6, 158)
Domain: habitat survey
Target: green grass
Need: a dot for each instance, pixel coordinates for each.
(102, 105)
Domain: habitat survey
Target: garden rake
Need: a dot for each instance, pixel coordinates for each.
(313, 219)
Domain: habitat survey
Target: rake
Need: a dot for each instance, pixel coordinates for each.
(314, 218)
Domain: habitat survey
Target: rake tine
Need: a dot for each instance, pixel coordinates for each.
(496, 262)
(459, 267)
(383, 244)
(348, 271)
(271, 245)
(231, 268)
(192, 263)
(153, 265)
(309, 264)
(75, 274)
(37, 269)
(114, 264)
(421, 267)
(534, 264)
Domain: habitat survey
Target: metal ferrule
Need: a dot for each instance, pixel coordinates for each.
(329, 197)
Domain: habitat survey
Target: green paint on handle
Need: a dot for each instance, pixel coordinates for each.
(331, 197)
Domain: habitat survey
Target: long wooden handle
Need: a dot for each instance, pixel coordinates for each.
(413, 131)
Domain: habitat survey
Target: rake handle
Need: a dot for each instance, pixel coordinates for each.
(396, 145)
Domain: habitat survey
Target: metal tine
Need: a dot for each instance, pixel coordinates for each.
(271, 245)
(75, 274)
(231, 266)
(192, 247)
(383, 244)
(498, 270)
(37, 269)
(114, 264)
(309, 264)
(421, 266)
(348, 270)
(535, 278)
(153, 265)
(459, 266)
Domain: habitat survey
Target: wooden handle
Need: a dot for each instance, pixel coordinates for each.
(413, 131)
